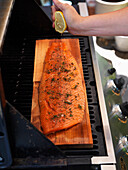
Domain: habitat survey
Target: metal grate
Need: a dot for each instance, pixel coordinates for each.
(17, 69)
(17, 64)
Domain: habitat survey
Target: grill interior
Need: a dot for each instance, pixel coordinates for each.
(17, 65)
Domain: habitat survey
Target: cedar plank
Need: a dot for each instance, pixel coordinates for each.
(79, 135)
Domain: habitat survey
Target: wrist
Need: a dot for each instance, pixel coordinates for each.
(79, 26)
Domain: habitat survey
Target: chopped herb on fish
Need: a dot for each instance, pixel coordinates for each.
(71, 115)
(48, 92)
(75, 87)
(79, 106)
(67, 102)
(67, 95)
(53, 79)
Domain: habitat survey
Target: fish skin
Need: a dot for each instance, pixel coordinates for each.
(61, 92)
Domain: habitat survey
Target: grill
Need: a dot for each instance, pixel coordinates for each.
(17, 65)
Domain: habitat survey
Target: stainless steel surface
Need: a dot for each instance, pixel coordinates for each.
(116, 103)
(107, 132)
(108, 167)
(5, 9)
(83, 9)
(106, 127)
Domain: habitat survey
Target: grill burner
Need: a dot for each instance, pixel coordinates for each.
(17, 65)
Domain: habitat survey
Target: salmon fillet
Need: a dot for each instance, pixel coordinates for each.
(61, 92)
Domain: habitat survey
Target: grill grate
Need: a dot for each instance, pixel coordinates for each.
(17, 64)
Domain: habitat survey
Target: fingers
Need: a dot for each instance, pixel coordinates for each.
(59, 5)
(53, 12)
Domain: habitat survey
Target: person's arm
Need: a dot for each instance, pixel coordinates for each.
(108, 24)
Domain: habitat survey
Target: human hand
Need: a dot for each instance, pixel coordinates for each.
(71, 16)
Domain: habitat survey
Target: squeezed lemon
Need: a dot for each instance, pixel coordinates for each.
(60, 22)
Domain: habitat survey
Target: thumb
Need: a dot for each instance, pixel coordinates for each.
(59, 5)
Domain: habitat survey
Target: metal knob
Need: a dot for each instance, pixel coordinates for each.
(120, 111)
(116, 85)
(124, 108)
(111, 85)
(116, 112)
(119, 83)
(123, 143)
(111, 70)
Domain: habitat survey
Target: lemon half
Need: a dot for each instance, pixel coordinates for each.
(60, 23)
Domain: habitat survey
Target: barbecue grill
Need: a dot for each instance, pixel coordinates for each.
(23, 145)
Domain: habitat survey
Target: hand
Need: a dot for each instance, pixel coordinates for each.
(71, 16)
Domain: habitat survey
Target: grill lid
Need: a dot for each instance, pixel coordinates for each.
(5, 153)
(5, 9)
